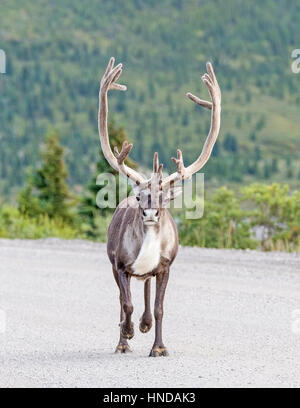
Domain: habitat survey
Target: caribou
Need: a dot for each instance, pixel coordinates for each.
(142, 236)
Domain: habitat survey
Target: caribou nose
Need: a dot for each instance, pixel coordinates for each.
(150, 215)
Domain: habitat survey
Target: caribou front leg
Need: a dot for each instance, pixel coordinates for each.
(126, 324)
(158, 348)
(123, 346)
(146, 319)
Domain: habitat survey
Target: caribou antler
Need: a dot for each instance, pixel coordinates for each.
(157, 168)
(108, 82)
(117, 161)
(183, 172)
(156, 177)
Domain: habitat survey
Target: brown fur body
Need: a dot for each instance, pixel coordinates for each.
(126, 232)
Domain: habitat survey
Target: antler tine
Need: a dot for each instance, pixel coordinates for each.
(179, 164)
(157, 173)
(122, 156)
(108, 82)
(198, 101)
(155, 162)
(210, 80)
(157, 168)
(180, 175)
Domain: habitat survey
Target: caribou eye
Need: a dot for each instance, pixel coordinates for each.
(156, 214)
(144, 212)
(137, 198)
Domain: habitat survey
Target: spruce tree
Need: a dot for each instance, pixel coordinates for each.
(47, 192)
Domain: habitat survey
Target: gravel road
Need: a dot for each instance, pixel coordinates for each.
(230, 319)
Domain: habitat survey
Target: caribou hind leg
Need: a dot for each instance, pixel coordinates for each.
(123, 346)
(146, 319)
(159, 348)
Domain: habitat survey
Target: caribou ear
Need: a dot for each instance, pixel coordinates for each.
(171, 194)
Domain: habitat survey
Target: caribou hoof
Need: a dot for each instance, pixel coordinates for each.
(127, 332)
(145, 324)
(123, 349)
(158, 352)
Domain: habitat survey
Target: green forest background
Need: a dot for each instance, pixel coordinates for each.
(56, 53)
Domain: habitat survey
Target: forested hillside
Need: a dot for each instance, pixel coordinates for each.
(57, 50)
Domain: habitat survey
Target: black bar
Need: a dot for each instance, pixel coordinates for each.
(92, 397)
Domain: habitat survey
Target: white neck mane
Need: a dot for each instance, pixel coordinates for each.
(149, 255)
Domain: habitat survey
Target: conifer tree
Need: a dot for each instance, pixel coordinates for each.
(46, 191)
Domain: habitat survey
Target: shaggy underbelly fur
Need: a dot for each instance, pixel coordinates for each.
(149, 255)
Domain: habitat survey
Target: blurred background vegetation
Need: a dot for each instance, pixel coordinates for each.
(49, 156)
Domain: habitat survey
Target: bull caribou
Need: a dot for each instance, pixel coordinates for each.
(142, 236)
